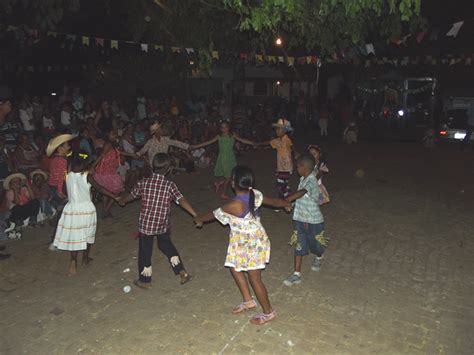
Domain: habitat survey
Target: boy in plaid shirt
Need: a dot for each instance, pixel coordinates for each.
(308, 219)
(157, 193)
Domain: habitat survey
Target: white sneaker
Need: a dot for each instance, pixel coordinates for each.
(317, 264)
(52, 247)
(293, 279)
(10, 227)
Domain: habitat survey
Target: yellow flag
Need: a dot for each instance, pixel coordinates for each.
(114, 44)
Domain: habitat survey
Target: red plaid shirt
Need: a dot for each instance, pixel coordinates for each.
(156, 193)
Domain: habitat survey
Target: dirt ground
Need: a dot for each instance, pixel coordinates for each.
(397, 278)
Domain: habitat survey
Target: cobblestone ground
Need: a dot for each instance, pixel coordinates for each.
(397, 278)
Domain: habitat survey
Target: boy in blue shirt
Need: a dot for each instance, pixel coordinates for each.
(308, 220)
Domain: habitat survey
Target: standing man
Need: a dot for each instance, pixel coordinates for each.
(470, 124)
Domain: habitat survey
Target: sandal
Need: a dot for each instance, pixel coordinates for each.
(263, 318)
(244, 306)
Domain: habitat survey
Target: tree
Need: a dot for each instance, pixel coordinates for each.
(328, 24)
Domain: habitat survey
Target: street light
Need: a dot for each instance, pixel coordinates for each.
(278, 41)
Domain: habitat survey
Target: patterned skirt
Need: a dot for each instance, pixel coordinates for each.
(111, 182)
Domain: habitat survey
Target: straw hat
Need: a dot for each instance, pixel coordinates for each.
(155, 127)
(56, 142)
(285, 124)
(38, 172)
(9, 178)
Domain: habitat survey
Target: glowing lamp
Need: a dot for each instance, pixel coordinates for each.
(278, 41)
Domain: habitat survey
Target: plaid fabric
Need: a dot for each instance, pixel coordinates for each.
(307, 208)
(156, 193)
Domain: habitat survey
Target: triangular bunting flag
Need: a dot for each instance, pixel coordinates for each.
(301, 60)
(190, 50)
(158, 47)
(175, 50)
(453, 32)
(468, 61)
(259, 58)
(144, 47)
(70, 38)
(215, 55)
(243, 56)
(370, 48)
(114, 44)
(99, 42)
(308, 59)
(85, 40)
(281, 59)
(291, 61)
(272, 59)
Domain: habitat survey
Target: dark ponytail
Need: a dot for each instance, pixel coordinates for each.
(243, 179)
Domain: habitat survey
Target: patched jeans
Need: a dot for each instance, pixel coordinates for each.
(310, 239)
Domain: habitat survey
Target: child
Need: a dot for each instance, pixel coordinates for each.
(77, 225)
(284, 148)
(350, 133)
(156, 193)
(320, 169)
(60, 147)
(42, 193)
(249, 246)
(309, 221)
(226, 159)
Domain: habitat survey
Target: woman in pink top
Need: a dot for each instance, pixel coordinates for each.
(106, 173)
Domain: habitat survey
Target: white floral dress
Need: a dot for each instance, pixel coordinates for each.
(249, 246)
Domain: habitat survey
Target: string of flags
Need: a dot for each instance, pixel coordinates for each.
(340, 57)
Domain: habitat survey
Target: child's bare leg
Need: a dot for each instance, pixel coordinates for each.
(225, 184)
(242, 284)
(260, 290)
(85, 255)
(73, 263)
(298, 262)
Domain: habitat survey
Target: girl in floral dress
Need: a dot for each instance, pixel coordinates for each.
(249, 246)
(226, 159)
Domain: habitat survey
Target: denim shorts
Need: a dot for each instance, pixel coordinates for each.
(310, 237)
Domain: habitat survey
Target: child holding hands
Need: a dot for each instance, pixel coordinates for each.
(308, 220)
(249, 246)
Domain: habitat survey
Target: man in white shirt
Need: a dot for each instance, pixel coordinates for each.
(26, 117)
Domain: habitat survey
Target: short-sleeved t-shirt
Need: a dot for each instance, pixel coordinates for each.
(283, 147)
(307, 208)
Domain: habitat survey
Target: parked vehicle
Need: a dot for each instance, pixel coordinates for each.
(454, 120)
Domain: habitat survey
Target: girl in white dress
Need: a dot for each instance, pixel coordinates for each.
(77, 225)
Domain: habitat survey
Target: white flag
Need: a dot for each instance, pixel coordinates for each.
(144, 47)
(370, 48)
(453, 32)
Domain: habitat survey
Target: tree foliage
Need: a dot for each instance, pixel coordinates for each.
(328, 24)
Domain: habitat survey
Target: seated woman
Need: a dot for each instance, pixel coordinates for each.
(20, 200)
(25, 157)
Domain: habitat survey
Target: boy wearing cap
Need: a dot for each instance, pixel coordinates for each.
(284, 148)
(58, 148)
